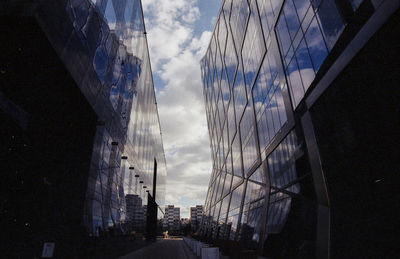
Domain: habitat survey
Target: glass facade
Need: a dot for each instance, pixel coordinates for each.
(132, 129)
(265, 62)
(102, 46)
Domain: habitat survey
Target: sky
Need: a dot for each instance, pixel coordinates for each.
(178, 34)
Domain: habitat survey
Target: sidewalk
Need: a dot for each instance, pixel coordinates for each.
(163, 249)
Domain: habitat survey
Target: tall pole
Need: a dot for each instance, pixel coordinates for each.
(155, 179)
(151, 224)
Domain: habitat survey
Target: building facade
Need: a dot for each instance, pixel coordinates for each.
(302, 111)
(172, 218)
(135, 212)
(196, 214)
(79, 116)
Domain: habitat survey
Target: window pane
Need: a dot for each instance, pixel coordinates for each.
(305, 65)
(316, 45)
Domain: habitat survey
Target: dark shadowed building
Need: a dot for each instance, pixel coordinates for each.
(79, 122)
(303, 111)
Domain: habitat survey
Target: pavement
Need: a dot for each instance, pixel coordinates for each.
(172, 248)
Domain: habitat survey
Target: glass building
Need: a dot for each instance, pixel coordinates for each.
(79, 122)
(302, 106)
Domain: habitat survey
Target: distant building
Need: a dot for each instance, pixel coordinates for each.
(196, 214)
(145, 211)
(172, 217)
(185, 222)
(135, 214)
(145, 214)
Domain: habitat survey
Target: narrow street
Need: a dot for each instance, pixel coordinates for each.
(173, 248)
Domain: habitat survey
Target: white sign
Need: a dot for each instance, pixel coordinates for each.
(48, 250)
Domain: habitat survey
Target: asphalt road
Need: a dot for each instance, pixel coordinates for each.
(173, 248)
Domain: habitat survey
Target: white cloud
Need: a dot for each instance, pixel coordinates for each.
(192, 16)
(175, 54)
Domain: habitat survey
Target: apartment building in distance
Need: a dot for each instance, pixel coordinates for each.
(172, 218)
(196, 214)
(135, 214)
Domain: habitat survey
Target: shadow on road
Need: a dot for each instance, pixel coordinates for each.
(170, 248)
